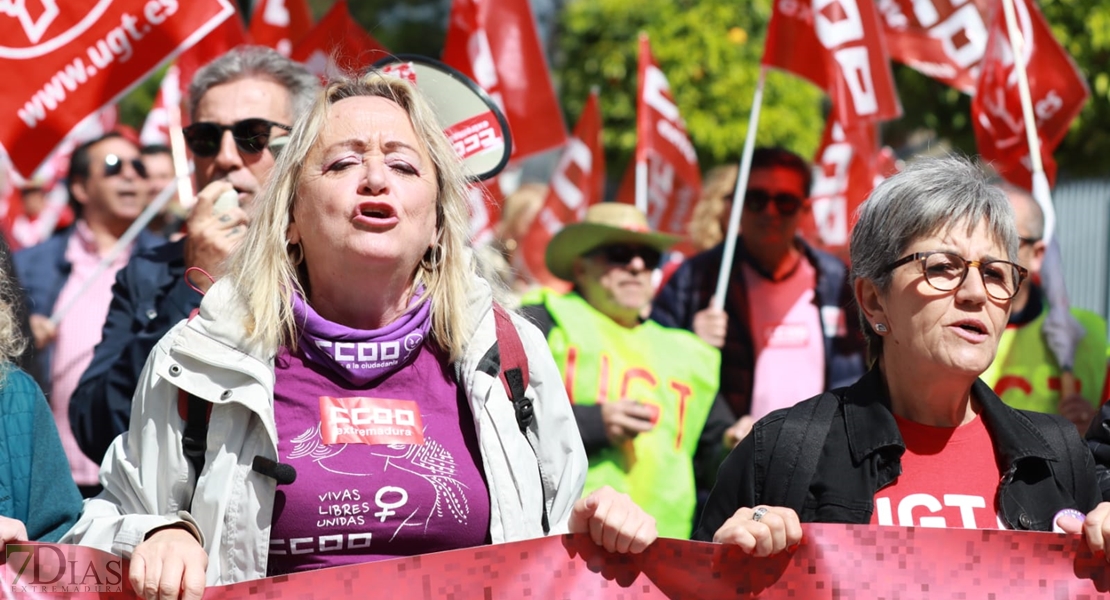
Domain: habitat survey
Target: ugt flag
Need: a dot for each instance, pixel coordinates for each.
(1057, 89)
(74, 56)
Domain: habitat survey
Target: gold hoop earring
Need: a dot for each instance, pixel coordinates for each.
(295, 249)
(433, 257)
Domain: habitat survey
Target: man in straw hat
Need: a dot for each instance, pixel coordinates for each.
(645, 396)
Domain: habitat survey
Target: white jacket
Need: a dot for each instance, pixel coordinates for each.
(148, 481)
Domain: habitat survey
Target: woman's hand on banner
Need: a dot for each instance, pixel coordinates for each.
(169, 564)
(11, 530)
(761, 531)
(613, 521)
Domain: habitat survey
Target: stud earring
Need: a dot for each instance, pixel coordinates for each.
(880, 328)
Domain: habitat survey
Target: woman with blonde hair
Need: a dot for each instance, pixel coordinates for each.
(710, 219)
(350, 361)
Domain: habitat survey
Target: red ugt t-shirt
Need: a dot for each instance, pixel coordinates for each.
(949, 479)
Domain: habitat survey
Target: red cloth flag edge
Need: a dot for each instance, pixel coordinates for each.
(66, 89)
(577, 184)
(495, 43)
(280, 24)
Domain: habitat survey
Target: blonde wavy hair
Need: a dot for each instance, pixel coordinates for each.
(705, 223)
(12, 341)
(264, 270)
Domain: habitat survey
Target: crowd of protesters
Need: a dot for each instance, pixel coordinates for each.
(340, 282)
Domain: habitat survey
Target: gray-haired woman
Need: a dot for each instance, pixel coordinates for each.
(351, 341)
(918, 440)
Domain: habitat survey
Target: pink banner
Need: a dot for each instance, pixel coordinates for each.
(833, 561)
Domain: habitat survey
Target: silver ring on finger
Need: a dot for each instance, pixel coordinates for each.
(759, 512)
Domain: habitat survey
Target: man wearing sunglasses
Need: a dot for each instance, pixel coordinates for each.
(1025, 373)
(238, 104)
(108, 190)
(645, 396)
(783, 333)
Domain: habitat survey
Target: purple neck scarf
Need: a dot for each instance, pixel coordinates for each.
(361, 356)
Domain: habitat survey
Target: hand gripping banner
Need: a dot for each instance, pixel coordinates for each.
(833, 561)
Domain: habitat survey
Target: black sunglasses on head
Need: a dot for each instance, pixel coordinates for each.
(113, 165)
(251, 136)
(622, 255)
(787, 204)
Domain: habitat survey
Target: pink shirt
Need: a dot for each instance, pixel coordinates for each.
(78, 334)
(786, 332)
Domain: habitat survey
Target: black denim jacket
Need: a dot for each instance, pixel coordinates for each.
(863, 450)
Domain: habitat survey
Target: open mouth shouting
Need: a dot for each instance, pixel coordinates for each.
(376, 215)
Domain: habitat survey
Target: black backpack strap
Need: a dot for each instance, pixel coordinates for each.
(514, 365)
(513, 373)
(798, 449)
(194, 440)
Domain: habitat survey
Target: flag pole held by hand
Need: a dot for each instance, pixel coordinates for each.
(1062, 332)
(725, 273)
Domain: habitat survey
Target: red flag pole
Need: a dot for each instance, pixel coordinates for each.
(738, 194)
(1062, 331)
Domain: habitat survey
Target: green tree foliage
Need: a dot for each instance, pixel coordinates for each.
(1083, 28)
(709, 50)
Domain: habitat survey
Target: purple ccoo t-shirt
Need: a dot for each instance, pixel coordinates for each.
(407, 481)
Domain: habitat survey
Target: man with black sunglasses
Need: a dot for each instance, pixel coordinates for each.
(108, 190)
(783, 333)
(645, 396)
(238, 105)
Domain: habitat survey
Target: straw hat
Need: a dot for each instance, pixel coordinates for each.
(606, 224)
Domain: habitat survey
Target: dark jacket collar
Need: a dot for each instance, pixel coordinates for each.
(871, 426)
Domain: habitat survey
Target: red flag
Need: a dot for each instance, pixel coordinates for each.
(175, 83)
(495, 44)
(338, 35)
(280, 24)
(72, 60)
(1056, 86)
(847, 167)
(673, 179)
(942, 39)
(839, 46)
(24, 231)
(577, 184)
(156, 126)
